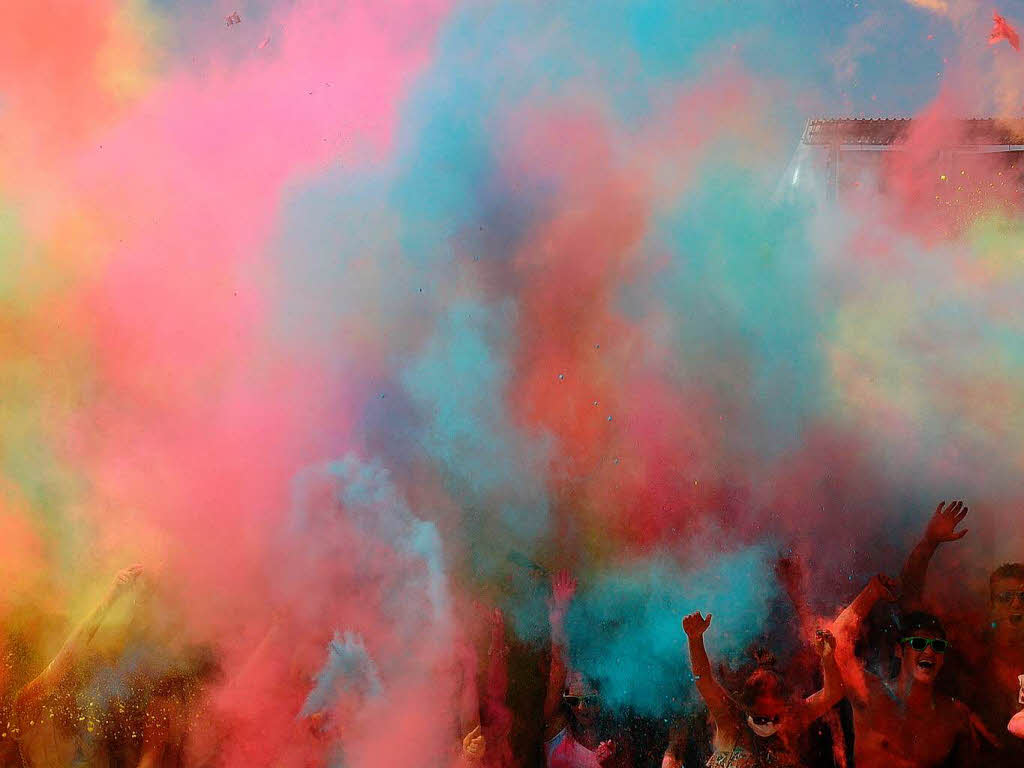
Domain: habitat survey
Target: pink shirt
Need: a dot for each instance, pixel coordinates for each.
(564, 751)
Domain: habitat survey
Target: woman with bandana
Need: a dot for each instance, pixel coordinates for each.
(764, 725)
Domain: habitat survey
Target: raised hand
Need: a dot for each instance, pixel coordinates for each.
(942, 527)
(474, 745)
(824, 643)
(605, 751)
(696, 625)
(126, 579)
(886, 587)
(563, 587)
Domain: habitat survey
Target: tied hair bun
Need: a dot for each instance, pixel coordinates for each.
(764, 658)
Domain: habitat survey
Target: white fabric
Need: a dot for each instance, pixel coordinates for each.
(564, 751)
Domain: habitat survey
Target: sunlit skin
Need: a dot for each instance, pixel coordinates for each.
(903, 723)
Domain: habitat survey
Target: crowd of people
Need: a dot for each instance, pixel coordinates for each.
(885, 683)
(894, 685)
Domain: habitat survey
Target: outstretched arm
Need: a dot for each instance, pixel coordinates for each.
(714, 695)
(69, 654)
(563, 587)
(817, 704)
(473, 742)
(941, 528)
(847, 628)
(496, 709)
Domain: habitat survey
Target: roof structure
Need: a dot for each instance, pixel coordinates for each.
(888, 131)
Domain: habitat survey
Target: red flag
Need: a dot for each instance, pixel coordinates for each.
(1003, 31)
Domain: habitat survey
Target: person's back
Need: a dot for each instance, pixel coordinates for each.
(41, 743)
(52, 735)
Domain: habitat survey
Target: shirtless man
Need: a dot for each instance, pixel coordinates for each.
(902, 722)
(50, 731)
(995, 655)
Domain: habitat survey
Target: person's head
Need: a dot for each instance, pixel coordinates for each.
(921, 648)
(765, 697)
(581, 699)
(1006, 603)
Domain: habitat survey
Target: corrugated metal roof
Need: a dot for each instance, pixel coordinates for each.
(883, 131)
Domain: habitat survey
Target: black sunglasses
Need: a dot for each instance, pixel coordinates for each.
(920, 643)
(575, 701)
(1007, 597)
(763, 719)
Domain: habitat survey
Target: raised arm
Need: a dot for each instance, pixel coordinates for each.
(69, 654)
(473, 742)
(847, 628)
(941, 528)
(831, 693)
(563, 587)
(498, 716)
(714, 695)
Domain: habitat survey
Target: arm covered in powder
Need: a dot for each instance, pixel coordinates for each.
(846, 629)
(714, 695)
(832, 692)
(70, 653)
(563, 587)
(941, 528)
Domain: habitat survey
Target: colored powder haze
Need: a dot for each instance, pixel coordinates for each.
(339, 317)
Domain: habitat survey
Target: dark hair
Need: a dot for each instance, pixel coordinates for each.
(764, 680)
(915, 621)
(1006, 571)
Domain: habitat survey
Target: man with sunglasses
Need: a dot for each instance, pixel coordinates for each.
(901, 721)
(993, 655)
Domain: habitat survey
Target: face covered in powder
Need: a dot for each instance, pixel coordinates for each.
(581, 699)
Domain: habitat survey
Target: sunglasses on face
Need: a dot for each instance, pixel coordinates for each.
(764, 719)
(920, 643)
(1007, 597)
(575, 701)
